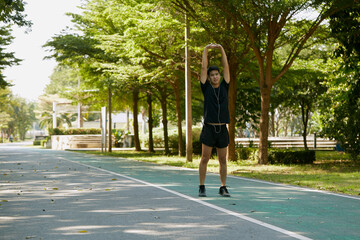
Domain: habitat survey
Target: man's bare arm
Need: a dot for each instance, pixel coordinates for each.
(225, 64)
(204, 64)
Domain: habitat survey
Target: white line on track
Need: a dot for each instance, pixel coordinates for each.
(304, 189)
(296, 187)
(235, 214)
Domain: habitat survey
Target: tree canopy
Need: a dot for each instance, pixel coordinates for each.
(136, 48)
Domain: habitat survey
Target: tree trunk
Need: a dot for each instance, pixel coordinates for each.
(135, 119)
(127, 120)
(163, 102)
(150, 121)
(273, 132)
(232, 105)
(264, 124)
(176, 89)
(305, 119)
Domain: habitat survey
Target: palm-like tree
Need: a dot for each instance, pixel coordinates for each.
(63, 118)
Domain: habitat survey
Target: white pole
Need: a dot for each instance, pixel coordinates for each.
(79, 115)
(79, 106)
(189, 147)
(103, 129)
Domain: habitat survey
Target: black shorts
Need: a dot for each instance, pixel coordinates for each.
(215, 135)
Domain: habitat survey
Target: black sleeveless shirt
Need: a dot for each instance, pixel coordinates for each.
(216, 99)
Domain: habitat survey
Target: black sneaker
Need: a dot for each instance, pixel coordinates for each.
(224, 192)
(202, 191)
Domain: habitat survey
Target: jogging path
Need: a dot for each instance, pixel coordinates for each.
(46, 194)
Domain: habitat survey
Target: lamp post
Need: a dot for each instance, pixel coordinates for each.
(188, 110)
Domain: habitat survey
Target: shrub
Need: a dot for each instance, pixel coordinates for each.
(291, 157)
(43, 142)
(74, 131)
(37, 142)
(247, 153)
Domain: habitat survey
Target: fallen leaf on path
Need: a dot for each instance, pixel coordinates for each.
(83, 231)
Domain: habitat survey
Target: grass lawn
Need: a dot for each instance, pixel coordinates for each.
(332, 171)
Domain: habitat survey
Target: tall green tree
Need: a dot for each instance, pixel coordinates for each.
(341, 112)
(7, 59)
(5, 96)
(22, 116)
(11, 13)
(300, 89)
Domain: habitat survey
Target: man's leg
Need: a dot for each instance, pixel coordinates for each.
(205, 157)
(222, 152)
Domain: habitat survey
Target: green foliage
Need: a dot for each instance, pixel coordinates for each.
(137, 45)
(158, 137)
(22, 116)
(248, 105)
(119, 135)
(43, 142)
(12, 11)
(300, 89)
(77, 131)
(37, 142)
(7, 59)
(249, 153)
(341, 118)
(341, 113)
(64, 78)
(291, 157)
(345, 27)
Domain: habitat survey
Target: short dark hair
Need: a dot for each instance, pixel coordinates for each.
(212, 68)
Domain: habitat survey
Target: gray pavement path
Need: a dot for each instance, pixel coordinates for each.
(47, 194)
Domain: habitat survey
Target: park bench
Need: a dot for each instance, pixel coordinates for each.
(39, 138)
(290, 142)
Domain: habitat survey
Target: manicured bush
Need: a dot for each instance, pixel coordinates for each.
(37, 142)
(291, 157)
(75, 131)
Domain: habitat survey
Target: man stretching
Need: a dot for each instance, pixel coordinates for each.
(216, 115)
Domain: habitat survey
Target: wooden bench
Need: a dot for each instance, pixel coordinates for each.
(290, 142)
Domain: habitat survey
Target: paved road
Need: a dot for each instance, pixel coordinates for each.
(47, 194)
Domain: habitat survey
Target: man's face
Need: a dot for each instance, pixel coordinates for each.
(214, 77)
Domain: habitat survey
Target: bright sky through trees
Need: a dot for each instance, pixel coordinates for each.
(48, 17)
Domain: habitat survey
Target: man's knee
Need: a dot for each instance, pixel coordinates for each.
(204, 160)
(222, 161)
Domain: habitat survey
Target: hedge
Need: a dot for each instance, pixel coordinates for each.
(75, 131)
(291, 157)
